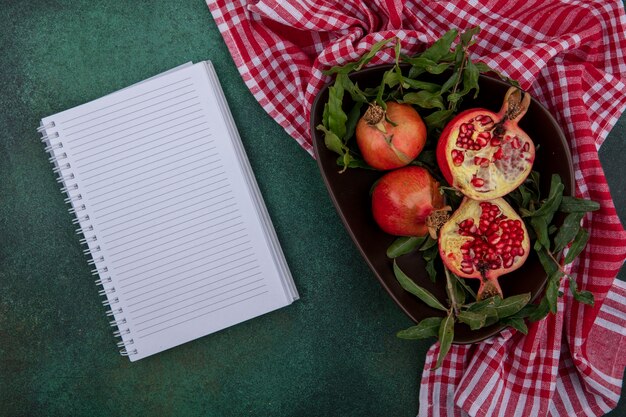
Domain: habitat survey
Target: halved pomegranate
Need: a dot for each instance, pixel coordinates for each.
(486, 155)
(484, 240)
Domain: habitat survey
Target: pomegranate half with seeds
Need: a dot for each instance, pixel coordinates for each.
(484, 240)
(486, 155)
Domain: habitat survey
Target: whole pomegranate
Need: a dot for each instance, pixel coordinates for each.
(486, 155)
(392, 138)
(484, 240)
(403, 199)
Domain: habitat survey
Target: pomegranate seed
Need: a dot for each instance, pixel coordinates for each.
(493, 239)
(516, 143)
(495, 141)
(483, 162)
(499, 154)
(477, 182)
(467, 223)
(457, 157)
(463, 128)
(526, 147)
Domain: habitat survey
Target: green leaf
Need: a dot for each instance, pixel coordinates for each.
(474, 320)
(533, 183)
(425, 100)
(568, 231)
(430, 255)
(466, 37)
(491, 320)
(524, 312)
(577, 205)
(500, 308)
(486, 305)
(403, 245)
(336, 116)
(440, 49)
(325, 115)
(392, 78)
(450, 82)
(511, 305)
(358, 96)
(552, 203)
(526, 195)
(484, 68)
(430, 242)
(461, 282)
(397, 52)
(331, 140)
(516, 323)
(353, 119)
(349, 161)
(470, 81)
(430, 269)
(579, 243)
(542, 310)
(420, 85)
(585, 297)
(540, 226)
(422, 64)
(426, 328)
(415, 289)
(459, 289)
(388, 76)
(364, 60)
(446, 335)
(552, 294)
(546, 261)
(438, 119)
(372, 53)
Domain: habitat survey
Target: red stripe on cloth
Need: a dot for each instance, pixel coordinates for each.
(569, 54)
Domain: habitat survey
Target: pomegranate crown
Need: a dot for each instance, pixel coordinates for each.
(374, 114)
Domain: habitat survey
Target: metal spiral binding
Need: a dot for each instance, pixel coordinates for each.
(70, 187)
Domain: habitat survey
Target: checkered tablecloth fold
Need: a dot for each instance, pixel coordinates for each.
(570, 54)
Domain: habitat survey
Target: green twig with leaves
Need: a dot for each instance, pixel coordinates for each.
(436, 100)
(540, 217)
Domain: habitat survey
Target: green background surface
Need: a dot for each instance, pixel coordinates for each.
(332, 353)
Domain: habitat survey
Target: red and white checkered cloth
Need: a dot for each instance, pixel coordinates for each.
(570, 55)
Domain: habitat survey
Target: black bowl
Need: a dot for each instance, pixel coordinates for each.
(349, 192)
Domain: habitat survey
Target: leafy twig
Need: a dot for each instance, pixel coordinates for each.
(451, 291)
(452, 104)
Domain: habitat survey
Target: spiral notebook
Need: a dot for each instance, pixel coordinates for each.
(169, 210)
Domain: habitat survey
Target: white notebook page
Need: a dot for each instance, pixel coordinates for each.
(177, 226)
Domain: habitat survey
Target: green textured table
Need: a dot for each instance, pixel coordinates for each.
(334, 352)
